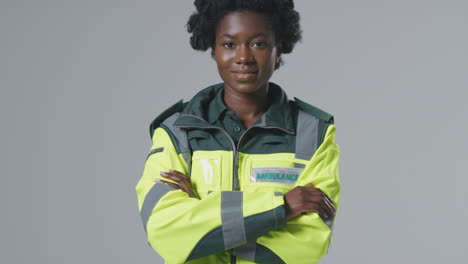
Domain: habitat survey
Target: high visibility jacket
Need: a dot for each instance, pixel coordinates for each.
(239, 216)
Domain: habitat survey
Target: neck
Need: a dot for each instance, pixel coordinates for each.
(248, 107)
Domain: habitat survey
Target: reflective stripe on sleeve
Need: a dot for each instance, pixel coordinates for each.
(307, 135)
(232, 218)
(246, 251)
(152, 198)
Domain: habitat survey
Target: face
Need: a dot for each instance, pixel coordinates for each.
(245, 52)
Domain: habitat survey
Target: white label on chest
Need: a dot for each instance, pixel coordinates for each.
(281, 175)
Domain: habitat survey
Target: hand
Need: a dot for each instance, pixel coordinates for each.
(183, 182)
(304, 199)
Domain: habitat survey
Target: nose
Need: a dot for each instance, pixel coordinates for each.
(244, 55)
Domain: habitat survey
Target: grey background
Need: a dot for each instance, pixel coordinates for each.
(81, 81)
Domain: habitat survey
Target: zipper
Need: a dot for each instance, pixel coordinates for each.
(240, 140)
(235, 149)
(235, 182)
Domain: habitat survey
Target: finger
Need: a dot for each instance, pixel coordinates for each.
(321, 203)
(329, 209)
(186, 187)
(173, 177)
(326, 214)
(183, 180)
(328, 197)
(178, 173)
(315, 190)
(176, 179)
(183, 186)
(165, 175)
(324, 203)
(173, 185)
(319, 210)
(330, 204)
(314, 205)
(330, 201)
(183, 177)
(181, 183)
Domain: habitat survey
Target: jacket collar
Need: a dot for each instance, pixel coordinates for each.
(206, 107)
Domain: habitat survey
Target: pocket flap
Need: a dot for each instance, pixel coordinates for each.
(274, 139)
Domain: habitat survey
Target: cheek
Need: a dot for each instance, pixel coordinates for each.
(224, 59)
(268, 61)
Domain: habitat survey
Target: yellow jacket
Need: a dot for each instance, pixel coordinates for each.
(240, 215)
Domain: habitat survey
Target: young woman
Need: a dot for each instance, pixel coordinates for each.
(241, 174)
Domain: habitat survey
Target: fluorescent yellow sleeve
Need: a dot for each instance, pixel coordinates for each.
(306, 238)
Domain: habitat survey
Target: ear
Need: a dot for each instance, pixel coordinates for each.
(278, 56)
(278, 62)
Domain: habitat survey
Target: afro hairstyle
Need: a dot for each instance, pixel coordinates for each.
(283, 19)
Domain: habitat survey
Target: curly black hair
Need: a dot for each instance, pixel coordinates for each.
(283, 19)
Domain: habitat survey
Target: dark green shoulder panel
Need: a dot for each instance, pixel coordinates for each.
(319, 113)
(177, 107)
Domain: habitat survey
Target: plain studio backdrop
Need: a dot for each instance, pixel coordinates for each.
(81, 81)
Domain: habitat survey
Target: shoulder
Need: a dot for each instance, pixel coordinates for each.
(313, 110)
(194, 106)
(324, 119)
(175, 108)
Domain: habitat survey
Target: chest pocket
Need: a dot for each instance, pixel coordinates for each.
(206, 172)
(206, 165)
(272, 172)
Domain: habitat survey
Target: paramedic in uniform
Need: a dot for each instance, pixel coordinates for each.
(240, 173)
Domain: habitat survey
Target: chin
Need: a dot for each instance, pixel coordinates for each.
(246, 87)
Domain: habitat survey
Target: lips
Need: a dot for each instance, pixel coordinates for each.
(245, 75)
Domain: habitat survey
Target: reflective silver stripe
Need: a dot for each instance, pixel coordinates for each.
(182, 138)
(151, 199)
(232, 218)
(246, 251)
(306, 135)
(329, 222)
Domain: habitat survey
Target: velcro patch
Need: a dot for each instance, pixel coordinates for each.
(281, 175)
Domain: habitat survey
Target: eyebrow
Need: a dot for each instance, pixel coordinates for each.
(251, 37)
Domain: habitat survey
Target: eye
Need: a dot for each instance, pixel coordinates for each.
(259, 44)
(228, 45)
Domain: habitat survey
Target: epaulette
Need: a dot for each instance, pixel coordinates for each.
(317, 112)
(177, 107)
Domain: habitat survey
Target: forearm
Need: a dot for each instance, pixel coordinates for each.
(181, 228)
(307, 236)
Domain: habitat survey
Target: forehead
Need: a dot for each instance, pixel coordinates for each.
(243, 22)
